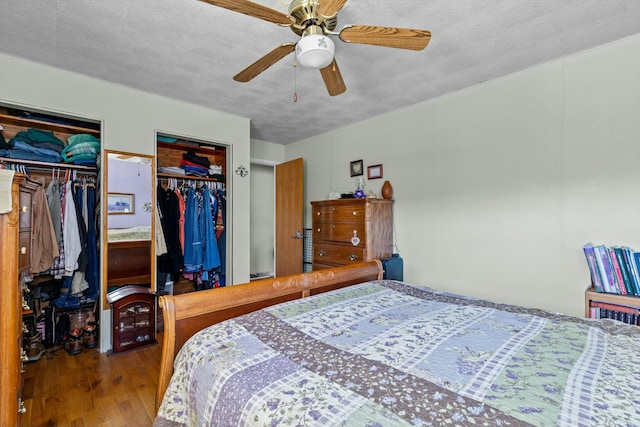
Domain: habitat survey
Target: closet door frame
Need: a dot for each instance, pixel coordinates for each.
(228, 175)
(133, 247)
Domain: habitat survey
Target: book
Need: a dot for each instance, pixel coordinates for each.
(603, 313)
(590, 255)
(617, 275)
(616, 307)
(624, 272)
(604, 267)
(627, 253)
(605, 310)
(635, 266)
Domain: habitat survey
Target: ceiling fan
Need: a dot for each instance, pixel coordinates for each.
(314, 21)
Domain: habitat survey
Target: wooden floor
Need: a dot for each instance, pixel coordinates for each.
(91, 389)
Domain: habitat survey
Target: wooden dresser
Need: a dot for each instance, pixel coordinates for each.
(348, 231)
(15, 250)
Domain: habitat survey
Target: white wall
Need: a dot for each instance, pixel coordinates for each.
(130, 119)
(498, 186)
(266, 152)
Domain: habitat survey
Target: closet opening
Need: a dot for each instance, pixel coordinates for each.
(51, 251)
(193, 205)
(262, 219)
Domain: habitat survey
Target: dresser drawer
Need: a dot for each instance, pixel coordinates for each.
(24, 250)
(341, 232)
(355, 212)
(335, 254)
(24, 211)
(318, 266)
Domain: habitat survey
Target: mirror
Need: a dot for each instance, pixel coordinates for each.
(128, 199)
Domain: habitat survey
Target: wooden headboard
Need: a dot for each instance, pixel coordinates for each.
(186, 314)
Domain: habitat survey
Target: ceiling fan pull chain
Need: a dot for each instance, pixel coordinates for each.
(295, 81)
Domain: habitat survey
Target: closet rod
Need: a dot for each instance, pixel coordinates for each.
(49, 169)
(33, 164)
(197, 182)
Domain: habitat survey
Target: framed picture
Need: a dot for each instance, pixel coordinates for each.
(374, 171)
(120, 203)
(356, 168)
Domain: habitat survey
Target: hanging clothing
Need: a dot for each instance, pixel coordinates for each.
(192, 235)
(199, 221)
(210, 255)
(222, 237)
(71, 233)
(55, 207)
(44, 247)
(92, 274)
(58, 270)
(172, 261)
(161, 244)
(181, 208)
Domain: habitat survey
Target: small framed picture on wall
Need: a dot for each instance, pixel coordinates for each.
(374, 172)
(120, 203)
(356, 168)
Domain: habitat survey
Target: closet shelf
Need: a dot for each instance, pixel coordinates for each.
(41, 124)
(192, 146)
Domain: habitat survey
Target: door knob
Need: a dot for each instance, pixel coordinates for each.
(298, 235)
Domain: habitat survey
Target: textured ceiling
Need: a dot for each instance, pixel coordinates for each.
(190, 50)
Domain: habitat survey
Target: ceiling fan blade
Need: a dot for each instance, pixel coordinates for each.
(265, 62)
(333, 79)
(254, 9)
(401, 38)
(330, 7)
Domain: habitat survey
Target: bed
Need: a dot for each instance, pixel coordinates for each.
(343, 347)
(128, 256)
(140, 232)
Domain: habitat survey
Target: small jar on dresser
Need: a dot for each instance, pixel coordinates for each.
(348, 231)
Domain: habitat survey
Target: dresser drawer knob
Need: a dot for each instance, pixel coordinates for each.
(24, 209)
(322, 252)
(23, 250)
(353, 257)
(355, 213)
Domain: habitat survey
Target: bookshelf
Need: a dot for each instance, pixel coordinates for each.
(623, 300)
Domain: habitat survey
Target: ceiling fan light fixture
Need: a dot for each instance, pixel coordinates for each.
(315, 51)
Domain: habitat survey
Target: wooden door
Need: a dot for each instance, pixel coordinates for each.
(289, 217)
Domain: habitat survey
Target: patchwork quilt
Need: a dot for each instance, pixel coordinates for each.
(386, 353)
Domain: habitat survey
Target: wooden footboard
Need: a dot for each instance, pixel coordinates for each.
(186, 314)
